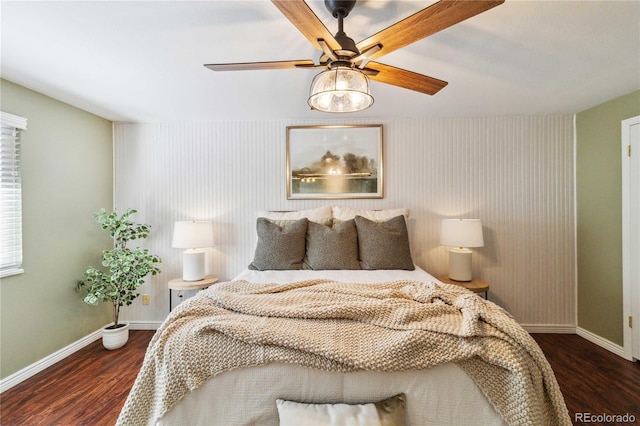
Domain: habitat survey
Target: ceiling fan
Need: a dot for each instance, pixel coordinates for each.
(344, 85)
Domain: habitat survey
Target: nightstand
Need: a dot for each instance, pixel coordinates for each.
(475, 285)
(182, 285)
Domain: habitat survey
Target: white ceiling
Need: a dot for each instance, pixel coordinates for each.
(142, 61)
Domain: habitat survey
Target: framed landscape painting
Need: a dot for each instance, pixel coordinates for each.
(330, 162)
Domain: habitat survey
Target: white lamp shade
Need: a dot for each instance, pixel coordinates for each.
(461, 233)
(192, 234)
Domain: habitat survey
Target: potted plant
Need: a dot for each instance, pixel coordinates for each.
(124, 272)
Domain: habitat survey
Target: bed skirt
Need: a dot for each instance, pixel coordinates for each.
(441, 395)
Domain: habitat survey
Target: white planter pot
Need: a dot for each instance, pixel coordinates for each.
(114, 338)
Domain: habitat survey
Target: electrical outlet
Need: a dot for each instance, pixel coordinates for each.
(146, 299)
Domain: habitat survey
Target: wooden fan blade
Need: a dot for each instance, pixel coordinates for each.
(275, 65)
(424, 23)
(301, 15)
(404, 78)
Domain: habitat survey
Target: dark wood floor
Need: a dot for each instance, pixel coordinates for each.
(90, 386)
(593, 380)
(86, 388)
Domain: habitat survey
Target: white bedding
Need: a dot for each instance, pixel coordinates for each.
(441, 395)
(348, 276)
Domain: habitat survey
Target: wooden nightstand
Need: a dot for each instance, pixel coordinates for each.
(475, 285)
(181, 285)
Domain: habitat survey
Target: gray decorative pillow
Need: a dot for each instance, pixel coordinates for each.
(279, 247)
(388, 412)
(332, 247)
(384, 245)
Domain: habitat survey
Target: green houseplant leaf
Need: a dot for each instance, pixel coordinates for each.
(124, 269)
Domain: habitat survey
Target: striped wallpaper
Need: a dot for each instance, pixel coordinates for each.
(514, 173)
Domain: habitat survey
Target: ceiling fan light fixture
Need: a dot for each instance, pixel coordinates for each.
(340, 89)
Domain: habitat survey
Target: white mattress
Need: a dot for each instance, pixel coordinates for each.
(442, 395)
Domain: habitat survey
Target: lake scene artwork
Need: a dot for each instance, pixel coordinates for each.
(334, 161)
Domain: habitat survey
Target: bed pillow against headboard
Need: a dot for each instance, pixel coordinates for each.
(321, 215)
(279, 247)
(384, 245)
(342, 214)
(332, 247)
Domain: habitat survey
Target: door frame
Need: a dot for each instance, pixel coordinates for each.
(628, 309)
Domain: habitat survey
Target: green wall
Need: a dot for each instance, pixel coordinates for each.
(599, 211)
(67, 166)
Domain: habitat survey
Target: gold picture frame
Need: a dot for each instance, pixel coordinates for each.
(333, 162)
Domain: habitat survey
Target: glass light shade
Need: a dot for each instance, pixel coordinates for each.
(461, 233)
(340, 89)
(192, 234)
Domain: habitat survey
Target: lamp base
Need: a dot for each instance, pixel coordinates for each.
(460, 264)
(193, 265)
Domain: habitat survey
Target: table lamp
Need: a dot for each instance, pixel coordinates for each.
(461, 234)
(193, 236)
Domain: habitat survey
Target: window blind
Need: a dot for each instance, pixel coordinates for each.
(10, 194)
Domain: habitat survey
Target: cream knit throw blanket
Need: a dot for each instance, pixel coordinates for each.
(346, 327)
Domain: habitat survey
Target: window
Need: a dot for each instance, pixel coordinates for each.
(10, 194)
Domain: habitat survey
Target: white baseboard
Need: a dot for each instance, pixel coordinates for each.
(46, 362)
(602, 342)
(585, 334)
(550, 328)
(33, 369)
(144, 325)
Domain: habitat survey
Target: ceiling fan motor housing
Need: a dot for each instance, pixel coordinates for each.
(348, 46)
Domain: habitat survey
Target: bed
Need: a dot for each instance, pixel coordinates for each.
(341, 329)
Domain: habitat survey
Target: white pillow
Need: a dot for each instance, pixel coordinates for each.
(318, 215)
(342, 214)
(389, 412)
